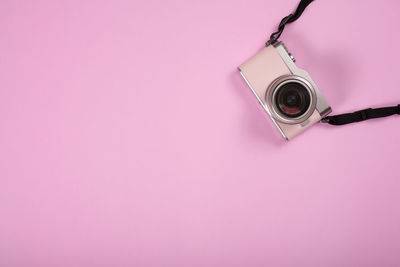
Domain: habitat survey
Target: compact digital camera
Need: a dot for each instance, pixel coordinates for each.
(286, 92)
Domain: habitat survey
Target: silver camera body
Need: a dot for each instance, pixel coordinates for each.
(286, 92)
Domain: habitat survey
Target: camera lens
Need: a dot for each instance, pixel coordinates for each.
(292, 99)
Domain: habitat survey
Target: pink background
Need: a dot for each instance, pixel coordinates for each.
(128, 138)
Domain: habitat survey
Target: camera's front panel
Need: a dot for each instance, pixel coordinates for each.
(292, 105)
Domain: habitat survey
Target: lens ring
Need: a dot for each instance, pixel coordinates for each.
(294, 116)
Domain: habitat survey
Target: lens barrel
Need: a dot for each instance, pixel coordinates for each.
(292, 99)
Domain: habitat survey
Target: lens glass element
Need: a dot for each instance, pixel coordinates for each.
(292, 99)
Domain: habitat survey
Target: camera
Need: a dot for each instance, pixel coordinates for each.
(286, 92)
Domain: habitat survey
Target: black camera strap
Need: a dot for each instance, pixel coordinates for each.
(342, 119)
(361, 115)
(288, 19)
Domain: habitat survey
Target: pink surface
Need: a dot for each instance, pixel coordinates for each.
(128, 138)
